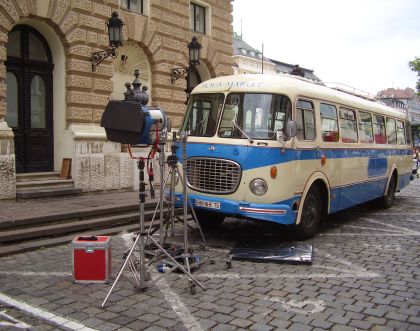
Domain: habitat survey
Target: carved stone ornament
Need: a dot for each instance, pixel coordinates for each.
(131, 57)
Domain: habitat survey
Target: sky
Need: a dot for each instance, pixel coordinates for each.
(365, 44)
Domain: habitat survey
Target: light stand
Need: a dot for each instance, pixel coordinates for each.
(174, 172)
(142, 277)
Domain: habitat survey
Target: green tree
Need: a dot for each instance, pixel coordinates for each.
(415, 66)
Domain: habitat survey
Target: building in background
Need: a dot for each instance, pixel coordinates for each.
(409, 103)
(51, 102)
(249, 60)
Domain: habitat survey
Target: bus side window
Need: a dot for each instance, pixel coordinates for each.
(329, 123)
(348, 126)
(391, 133)
(400, 133)
(379, 129)
(305, 120)
(408, 132)
(365, 127)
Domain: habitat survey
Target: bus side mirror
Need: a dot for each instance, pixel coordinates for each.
(291, 129)
(279, 136)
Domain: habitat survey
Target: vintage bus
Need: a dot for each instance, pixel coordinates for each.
(286, 150)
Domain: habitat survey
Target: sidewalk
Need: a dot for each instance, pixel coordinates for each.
(11, 211)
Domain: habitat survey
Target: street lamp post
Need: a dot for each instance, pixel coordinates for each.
(114, 25)
(193, 59)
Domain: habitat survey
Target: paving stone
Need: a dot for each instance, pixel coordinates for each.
(242, 323)
(244, 314)
(321, 324)
(223, 327)
(137, 325)
(222, 318)
(148, 318)
(338, 319)
(299, 327)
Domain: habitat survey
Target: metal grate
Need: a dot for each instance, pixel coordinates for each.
(213, 175)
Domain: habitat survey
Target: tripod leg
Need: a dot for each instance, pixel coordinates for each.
(196, 221)
(127, 260)
(176, 263)
(172, 192)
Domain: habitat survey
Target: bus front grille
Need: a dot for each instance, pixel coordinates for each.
(211, 175)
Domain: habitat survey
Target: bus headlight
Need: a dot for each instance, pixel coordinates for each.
(258, 186)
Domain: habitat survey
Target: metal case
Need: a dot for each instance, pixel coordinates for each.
(91, 259)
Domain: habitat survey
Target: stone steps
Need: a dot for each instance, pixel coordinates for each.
(38, 185)
(32, 176)
(30, 245)
(29, 233)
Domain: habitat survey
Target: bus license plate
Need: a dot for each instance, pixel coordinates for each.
(207, 204)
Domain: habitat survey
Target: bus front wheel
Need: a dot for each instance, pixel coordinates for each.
(208, 219)
(388, 199)
(311, 215)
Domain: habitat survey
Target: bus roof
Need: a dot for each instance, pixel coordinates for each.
(292, 87)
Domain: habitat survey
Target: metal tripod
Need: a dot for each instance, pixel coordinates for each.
(172, 175)
(138, 267)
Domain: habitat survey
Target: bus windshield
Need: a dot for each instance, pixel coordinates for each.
(202, 114)
(259, 116)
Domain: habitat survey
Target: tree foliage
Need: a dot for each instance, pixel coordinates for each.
(415, 66)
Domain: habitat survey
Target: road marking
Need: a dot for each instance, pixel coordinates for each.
(395, 231)
(366, 228)
(371, 234)
(299, 307)
(33, 273)
(170, 296)
(289, 276)
(390, 247)
(14, 322)
(43, 314)
(177, 305)
(392, 226)
(352, 271)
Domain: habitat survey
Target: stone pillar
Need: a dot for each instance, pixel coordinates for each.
(99, 165)
(7, 163)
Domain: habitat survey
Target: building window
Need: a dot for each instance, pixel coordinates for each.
(136, 6)
(198, 18)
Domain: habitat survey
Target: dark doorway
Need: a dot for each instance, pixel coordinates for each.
(30, 99)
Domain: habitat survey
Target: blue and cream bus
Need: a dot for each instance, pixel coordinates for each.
(285, 150)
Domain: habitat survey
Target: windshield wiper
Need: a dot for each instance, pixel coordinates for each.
(242, 131)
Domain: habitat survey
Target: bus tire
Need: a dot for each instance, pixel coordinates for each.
(208, 219)
(311, 215)
(388, 199)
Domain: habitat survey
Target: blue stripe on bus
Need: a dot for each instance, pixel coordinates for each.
(344, 197)
(250, 157)
(355, 194)
(377, 166)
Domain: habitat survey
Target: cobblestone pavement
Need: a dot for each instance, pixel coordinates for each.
(364, 276)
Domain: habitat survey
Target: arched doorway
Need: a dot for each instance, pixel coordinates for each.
(29, 99)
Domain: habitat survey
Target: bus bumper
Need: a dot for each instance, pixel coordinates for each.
(280, 212)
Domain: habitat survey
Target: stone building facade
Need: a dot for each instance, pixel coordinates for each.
(50, 100)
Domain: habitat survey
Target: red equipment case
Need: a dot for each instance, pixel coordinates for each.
(91, 259)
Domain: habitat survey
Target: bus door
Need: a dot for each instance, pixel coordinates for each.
(308, 151)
